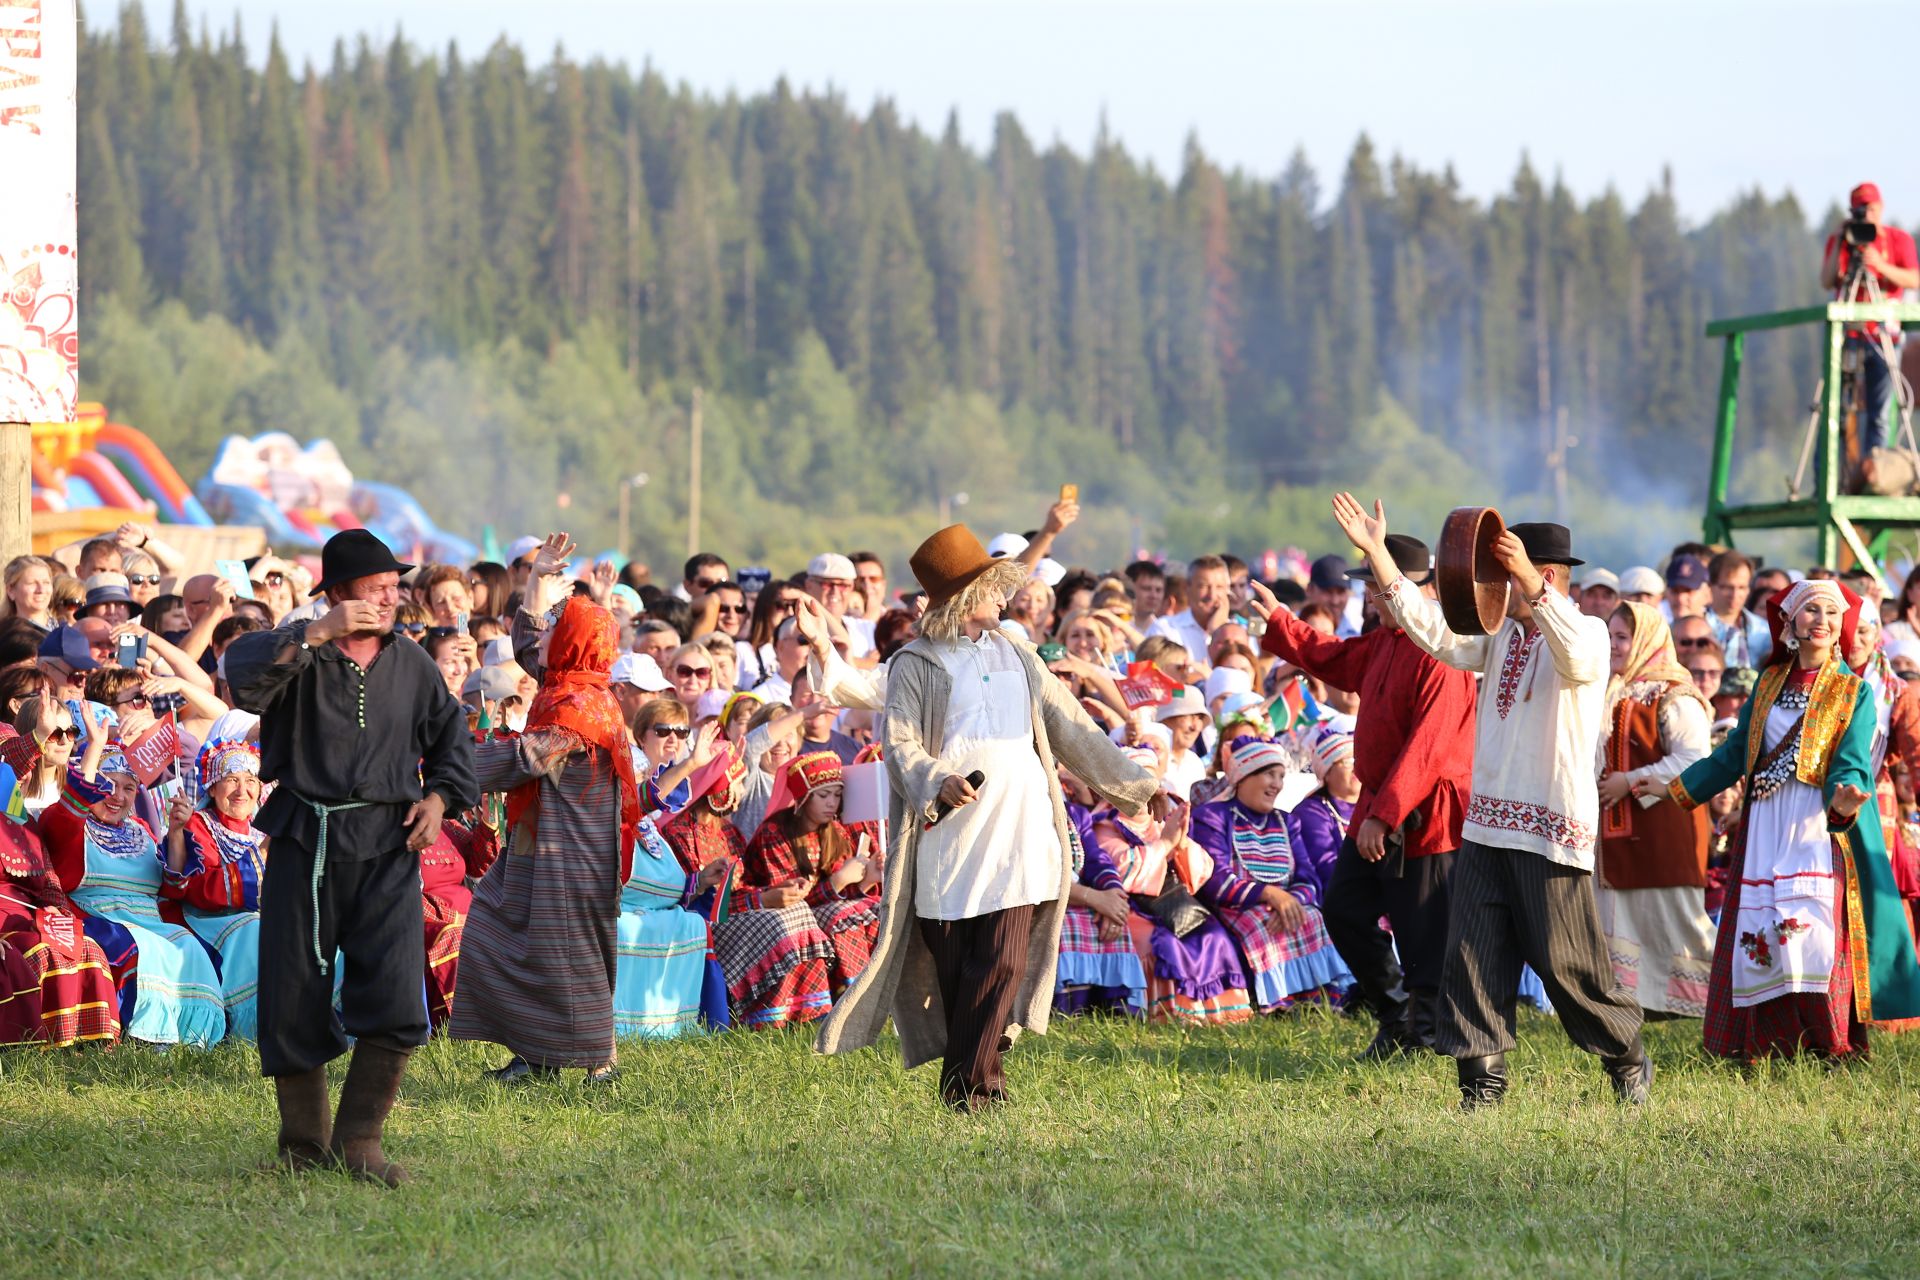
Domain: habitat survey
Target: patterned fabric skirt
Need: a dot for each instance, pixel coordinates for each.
(778, 965)
(1197, 978)
(55, 986)
(172, 981)
(1824, 1024)
(1287, 964)
(663, 958)
(1661, 944)
(233, 938)
(853, 926)
(1099, 975)
(444, 914)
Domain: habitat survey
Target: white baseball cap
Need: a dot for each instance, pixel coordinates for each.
(640, 671)
(1642, 580)
(1600, 578)
(1050, 571)
(1006, 544)
(1185, 702)
(522, 547)
(831, 566)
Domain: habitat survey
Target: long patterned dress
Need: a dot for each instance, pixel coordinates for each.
(216, 893)
(170, 989)
(1814, 942)
(445, 902)
(778, 963)
(849, 918)
(1251, 851)
(662, 946)
(55, 986)
(1094, 973)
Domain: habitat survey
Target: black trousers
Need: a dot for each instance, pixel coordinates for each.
(1412, 894)
(370, 914)
(978, 963)
(1511, 908)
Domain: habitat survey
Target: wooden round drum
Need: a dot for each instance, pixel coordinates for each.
(1472, 585)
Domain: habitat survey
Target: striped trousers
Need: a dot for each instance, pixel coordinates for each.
(1510, 908)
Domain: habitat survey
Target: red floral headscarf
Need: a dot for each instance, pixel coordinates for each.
(574, 699)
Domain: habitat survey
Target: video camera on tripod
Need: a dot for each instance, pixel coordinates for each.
(1858, 231)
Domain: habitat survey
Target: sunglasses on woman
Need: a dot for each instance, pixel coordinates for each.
(132, 700)
(62, 733)
(686, 672)
(672, 731)
(414, 629)
(275, 578)
(143, 579)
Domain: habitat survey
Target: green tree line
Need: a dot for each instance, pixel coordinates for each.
(497, 283)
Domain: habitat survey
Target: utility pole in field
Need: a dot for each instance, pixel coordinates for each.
(693, 477)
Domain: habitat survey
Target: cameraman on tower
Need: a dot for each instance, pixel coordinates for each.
(1887, 265)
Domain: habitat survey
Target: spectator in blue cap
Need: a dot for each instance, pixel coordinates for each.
(1688, 592)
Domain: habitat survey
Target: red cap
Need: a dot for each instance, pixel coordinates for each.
(1865, 193)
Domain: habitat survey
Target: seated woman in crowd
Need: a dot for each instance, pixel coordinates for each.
(1318, 824)
(777, 960)
(40, 750)
(1098, 968)
(1194, 975)
(110, 866)
(461, 854)
(804, 853)
(56, 988)
(216, 859)
(1241, 716)
(1259, 887)
(772, 738)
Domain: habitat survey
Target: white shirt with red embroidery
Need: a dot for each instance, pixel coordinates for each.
(1541, 711)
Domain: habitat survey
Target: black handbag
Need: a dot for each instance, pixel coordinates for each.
(1176, 908)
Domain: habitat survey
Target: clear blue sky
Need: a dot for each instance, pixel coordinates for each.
(1731, 93)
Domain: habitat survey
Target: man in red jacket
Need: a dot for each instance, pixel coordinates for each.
(1413, 754)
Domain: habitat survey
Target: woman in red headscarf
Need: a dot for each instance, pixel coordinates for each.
(1813, 941)
(803, 852)
(538, 959)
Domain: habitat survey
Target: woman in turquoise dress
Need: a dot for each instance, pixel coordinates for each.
(110, 866)
(662, 946)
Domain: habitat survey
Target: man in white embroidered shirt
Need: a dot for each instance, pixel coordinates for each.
(1521, 887)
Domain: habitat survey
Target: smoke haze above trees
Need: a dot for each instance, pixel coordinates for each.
(493, 282)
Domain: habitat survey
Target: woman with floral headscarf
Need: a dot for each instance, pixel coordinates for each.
(1651, 876)
(215, 861)
(539, 956)
(110, 866)
(1814, 942)
(805, 846)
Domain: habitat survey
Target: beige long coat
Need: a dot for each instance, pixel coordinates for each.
(899, 979)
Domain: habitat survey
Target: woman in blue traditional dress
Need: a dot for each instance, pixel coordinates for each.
(215, 861)
(662, 945)
(110, 866)
(1262, 892)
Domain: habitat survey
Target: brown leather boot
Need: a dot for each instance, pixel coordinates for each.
(305, 1125)
(373, 1081)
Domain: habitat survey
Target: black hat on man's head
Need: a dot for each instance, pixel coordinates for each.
(354, 553)
(1410, 556)
(1546, 543)
(1328, 573)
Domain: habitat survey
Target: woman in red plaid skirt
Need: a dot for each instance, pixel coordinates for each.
(1813, 942)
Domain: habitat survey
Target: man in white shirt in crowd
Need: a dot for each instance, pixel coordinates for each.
(830, 580)
(1521, 889)
(1210, 603)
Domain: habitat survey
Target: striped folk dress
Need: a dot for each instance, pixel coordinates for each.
(538, 953)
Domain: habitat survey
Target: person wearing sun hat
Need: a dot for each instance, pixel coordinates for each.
(1521, 887)
(370, 752)
(978, 878)
(1413, 758)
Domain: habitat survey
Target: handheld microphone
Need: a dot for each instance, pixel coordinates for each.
(976, 780)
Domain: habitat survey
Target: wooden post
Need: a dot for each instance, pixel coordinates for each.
(626, 501)
(16, 490)
(693, 477)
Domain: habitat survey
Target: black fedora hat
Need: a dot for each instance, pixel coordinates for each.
(1546, 543)
(354, 553)
(1411, 557)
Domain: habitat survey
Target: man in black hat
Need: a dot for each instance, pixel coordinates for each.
(1412, 753)
(1521, 887)
(1329, 587)
(369, 751)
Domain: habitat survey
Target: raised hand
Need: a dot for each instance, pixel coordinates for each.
(1267, 602)
(1060, 515)
(1511, 553)
(349, 617)
(553, 555)
(1368, 533)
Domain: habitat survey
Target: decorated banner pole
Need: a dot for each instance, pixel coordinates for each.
(39, 244)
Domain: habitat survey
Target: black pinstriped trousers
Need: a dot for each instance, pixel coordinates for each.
(1509, 908)
(978, 963)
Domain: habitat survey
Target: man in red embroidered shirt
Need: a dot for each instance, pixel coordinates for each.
(1891, 268)
(1413, 755)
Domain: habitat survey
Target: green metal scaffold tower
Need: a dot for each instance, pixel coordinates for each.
(1859, 523)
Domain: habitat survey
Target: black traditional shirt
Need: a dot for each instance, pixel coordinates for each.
(334, 732)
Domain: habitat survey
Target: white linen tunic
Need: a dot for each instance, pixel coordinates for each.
(1784, 940)
(1002, 850)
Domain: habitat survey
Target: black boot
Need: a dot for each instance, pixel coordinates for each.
(373, 1082)
(1483, 1081)
(1424, 1017)
(1393, 1040)
(1631, 1074)
(305, 1125)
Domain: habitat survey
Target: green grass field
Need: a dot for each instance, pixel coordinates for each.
(1128, 1150)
